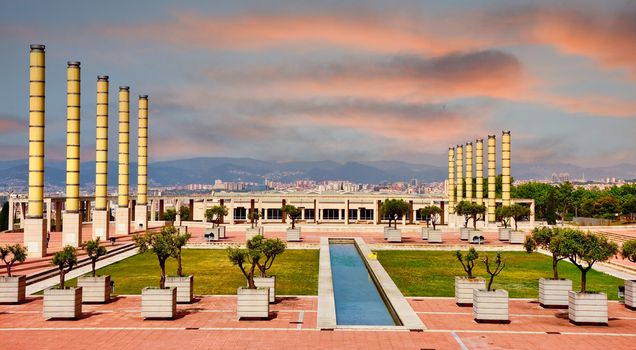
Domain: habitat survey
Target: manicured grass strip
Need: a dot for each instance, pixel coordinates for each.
(432, 273)
(296, 272)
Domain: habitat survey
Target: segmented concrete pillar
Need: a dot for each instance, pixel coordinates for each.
(450, 189)
(479, 171)
(492, 178)
(469, 171)
(72, 229)
(122, 213)
(505, 168)
(141, 209)
(459, 164)
(101, 217)
(35, 225)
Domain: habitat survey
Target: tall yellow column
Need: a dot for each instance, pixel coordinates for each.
(469, 171)
(122, 214)
(450, 190)
(479, 171)
(101, 215)
(35, 225)
(505, 168)
(72, 231)
(141, 208)
(459, 163)
(492, 178)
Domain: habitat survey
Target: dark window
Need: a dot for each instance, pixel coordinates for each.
(353, 214)
(366, 214)
(309, 214)
(240, 213)
(274, 214)
(330, 214)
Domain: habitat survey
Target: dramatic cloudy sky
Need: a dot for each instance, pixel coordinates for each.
(338, 80)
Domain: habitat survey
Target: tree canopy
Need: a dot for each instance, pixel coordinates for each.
(585, 249)
(94, 251)
(65, 260)
(293, 212)
(394, 209)
(11, 254)
(432, 212)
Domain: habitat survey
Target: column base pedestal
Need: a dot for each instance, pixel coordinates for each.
(72, 232)
(101, 225)
(141, 217)
(35, 237)
(122, 221)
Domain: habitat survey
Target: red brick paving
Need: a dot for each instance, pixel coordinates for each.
(213, 325)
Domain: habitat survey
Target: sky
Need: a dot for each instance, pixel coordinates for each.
(334, 80)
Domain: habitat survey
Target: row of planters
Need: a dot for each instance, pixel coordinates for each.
(580, 248)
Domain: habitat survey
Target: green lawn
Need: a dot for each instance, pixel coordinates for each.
(296, 272)
(432, 273)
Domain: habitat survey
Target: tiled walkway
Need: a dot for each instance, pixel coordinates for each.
(210, 323)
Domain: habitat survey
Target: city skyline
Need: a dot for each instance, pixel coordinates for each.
(342, 82)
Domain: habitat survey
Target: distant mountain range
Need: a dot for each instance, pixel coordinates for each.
(206, 170)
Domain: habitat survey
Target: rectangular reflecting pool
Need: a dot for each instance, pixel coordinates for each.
(357, 297)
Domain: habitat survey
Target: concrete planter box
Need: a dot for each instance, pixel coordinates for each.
(267, 282)
(435, 236)
(12, 289)
(386, 232)
(587, 308)
(394, 236)
(62, 303)
(476, 234)
(184, 286)
(293, 235)
(630, 294)
(251, 232)
(504, 234)
(252, 302)
(215, 231)
(554, 293)
(425, 232)
(95, 289)
(221, 231)
(517, 237)
(159, 303)
(464, 288)
(464, 232)
(491, 306)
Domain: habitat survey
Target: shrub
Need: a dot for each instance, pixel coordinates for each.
(162, 244)
(292, 212)
(11, 254)
(433, 212)
(470, 258)
(394, 208)
(497, 267)
(585, 249)
(65, 260)
(94, 251)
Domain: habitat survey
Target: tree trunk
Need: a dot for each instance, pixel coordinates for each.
(162, 280)
(62, 279)
(555, 271)
(293, 223)
(395, 224)
(9, 270)
(250, 278)
(492, 277)
(475, 222)
(433, 222)
(583, 280)
(516, 229)
(93, 261)
(179, 269)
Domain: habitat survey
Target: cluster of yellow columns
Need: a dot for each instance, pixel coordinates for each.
(72, 229)
(141, 208)
(456, 177)
(35, 225)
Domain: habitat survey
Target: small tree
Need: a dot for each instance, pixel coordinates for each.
(628, 251)
(550, 239)
(494, 270)
(94, 251)
(170, 215)
(476, 212)
(292, 212)
(519, 212)
(394, 208)
(270, 249)
(215, 214)
(585, 249)
(468, 261)
(433, 212)
(253, 216)
(246, 259)
(65, 260)
(463, 208)
(181, 239)
(184, 212)
(504, 213)
(11, 254)
(162, 244)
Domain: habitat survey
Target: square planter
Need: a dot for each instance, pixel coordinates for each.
(504, 234)
(62, 303)
(386, 232)
(476, 236)
(464, 288)
(517, 237)
(491, 306)
(394, 235)
(12, 289)
(425, 233)
(221, 231)
(267, 282)
(184, 285)
(587, 308)
(251, 232)
(293, 235)
(554, 293)
(464, 232)
(630, 294)
(212, 234)
(435, 236)
(95, 289)
(158, 303)
(252, 302)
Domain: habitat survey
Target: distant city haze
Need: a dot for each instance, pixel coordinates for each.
(351, 82)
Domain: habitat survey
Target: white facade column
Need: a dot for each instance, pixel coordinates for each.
(11, 213)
